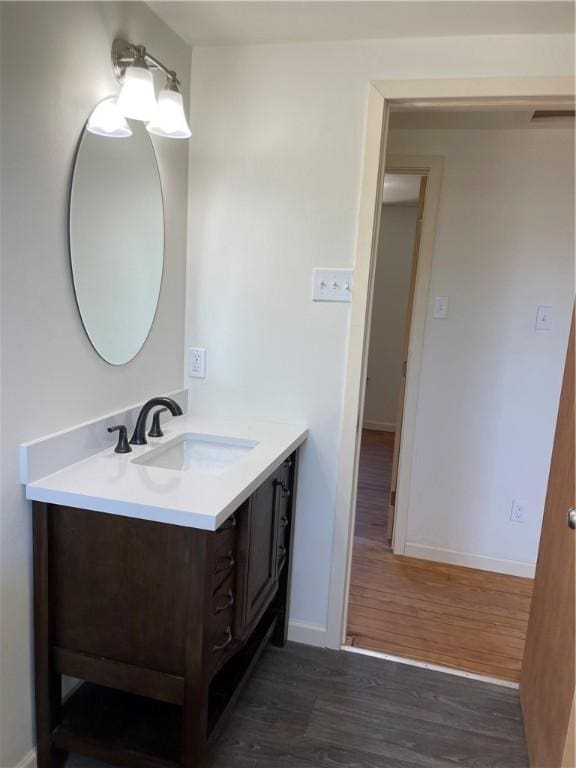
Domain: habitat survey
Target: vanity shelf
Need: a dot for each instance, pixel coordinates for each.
(114, 726)
(162, 623)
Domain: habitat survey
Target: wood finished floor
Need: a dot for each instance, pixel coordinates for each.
(374, 476)
(456, 617)
(308, 707)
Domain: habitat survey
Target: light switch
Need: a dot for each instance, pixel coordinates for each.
(544, 318)
(441, 308)
(332, 285)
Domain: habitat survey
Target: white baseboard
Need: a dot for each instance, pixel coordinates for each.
(380, 426)
(307, 634)
(28, 761)
(469, 560)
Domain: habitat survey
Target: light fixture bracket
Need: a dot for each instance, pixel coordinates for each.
(124, 54)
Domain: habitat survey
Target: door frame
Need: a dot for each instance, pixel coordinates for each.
(479, 93)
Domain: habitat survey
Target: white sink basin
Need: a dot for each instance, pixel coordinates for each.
(209, 454)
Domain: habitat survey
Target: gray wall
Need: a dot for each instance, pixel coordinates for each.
(55, 65)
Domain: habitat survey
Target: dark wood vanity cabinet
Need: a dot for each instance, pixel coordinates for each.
(162, 624)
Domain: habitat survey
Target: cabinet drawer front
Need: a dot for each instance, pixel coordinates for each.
(225, 536)
(224, 547)
(283, 539)
(223, 566)
(220, 620)
(223, 599)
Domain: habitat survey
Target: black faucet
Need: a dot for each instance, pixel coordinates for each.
(139, 436)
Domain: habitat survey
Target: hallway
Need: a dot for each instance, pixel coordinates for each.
(448, 615)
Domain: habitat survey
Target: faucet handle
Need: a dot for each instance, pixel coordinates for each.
(122, 445)
(156, 429)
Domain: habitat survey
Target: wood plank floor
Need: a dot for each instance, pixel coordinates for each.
(308, 707)
(456, 617)
(373, 488)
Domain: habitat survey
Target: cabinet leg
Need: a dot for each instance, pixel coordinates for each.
(194, 734)
(48, 684)
(279, 637)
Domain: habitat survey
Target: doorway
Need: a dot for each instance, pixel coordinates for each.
(383, 96)
(431, 604)
(403, 197)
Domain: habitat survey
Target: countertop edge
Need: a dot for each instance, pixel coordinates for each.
(167, 515)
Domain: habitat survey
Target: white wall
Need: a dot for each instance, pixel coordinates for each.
(55, 64)
(490, 383)
(389, 304)
(274, 186)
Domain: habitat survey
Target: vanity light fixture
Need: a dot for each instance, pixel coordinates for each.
(169, 119)
(107, 120)
(133, 67)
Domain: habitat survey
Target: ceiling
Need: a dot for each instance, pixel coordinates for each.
(400, 189)
(244, 22)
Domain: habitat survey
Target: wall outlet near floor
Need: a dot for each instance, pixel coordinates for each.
(197, 362)
(518, 511)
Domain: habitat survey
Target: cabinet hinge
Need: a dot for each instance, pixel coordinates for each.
(393, 499)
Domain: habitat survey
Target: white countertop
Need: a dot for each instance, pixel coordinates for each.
(112, 482)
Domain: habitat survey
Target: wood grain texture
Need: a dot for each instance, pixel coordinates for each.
(47, 682)
(308, 707)
(372, 503)
(547, 683)
(457, 617)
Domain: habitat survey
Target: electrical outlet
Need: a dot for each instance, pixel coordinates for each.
(197, 362)
(518, 511)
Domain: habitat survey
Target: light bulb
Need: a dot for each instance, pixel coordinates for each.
(107, 120)
(137, 99)
(169, 119)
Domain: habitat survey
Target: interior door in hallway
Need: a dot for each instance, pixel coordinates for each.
(407, 326)
(547, 679)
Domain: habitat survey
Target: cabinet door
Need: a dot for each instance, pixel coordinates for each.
(262, 558)
(258, 543)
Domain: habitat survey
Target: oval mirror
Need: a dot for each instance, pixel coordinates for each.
(117, 240)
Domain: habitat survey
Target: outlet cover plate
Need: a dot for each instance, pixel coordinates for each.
(518, 511)
(196, 362)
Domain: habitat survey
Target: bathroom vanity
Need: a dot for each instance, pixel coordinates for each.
(160, 590)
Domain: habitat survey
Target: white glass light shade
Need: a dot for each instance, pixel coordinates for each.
(107, 120)
(137, 99)
(169, 119)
